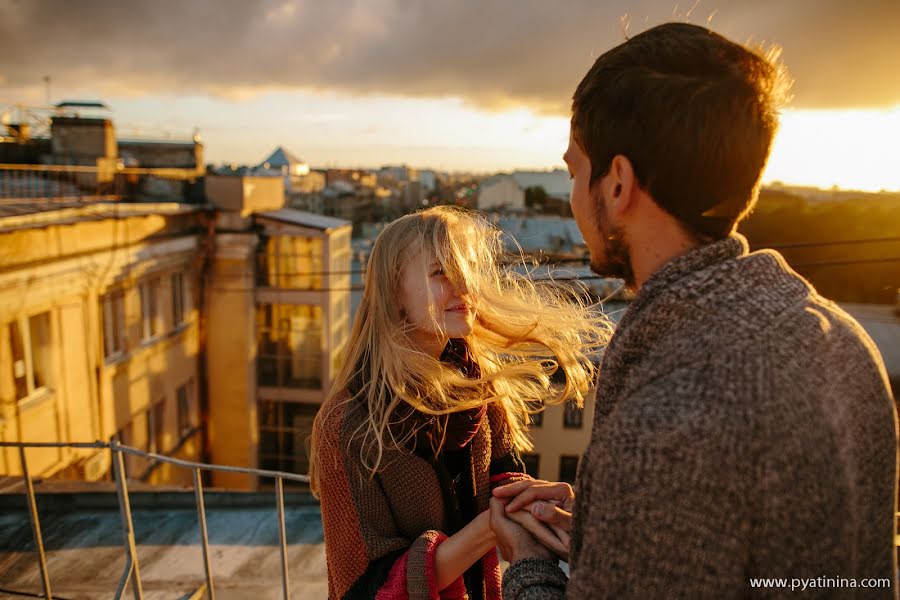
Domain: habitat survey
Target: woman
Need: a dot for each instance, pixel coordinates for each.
(448, 353)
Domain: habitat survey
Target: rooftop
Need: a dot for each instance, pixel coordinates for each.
(82, 536)
(304, 219)
(882, 323)
(34, 214)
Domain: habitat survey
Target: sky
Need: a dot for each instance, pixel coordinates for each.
(479, 85)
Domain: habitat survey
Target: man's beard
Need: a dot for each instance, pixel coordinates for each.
(616, 259)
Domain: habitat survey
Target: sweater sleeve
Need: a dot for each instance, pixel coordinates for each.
(367, 556)
(665, 514)
(534, 579)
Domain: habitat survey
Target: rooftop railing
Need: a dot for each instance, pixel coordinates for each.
(70, 183)
(131, 574)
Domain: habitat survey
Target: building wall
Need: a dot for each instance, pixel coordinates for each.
(303, 308)
(502, 192)
(311, 183)
(82, 141)
(245, 195)
(553, 440)
(184, 155)
(55, 279)
(278, 320)
(231, 351)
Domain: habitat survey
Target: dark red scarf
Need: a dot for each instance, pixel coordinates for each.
(461, 426)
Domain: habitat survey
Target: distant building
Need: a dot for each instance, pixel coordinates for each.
(543, 233)
(83, 158)
(428, 179)
(413, 195)
(344, 200)
(200, 331)
(389, 175)
(299, 179)
(560, 434)
(161, 154)
(556, 183)
(358, 178)
(500, 192)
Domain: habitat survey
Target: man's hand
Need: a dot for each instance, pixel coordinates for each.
(549, 503)
(514, 541)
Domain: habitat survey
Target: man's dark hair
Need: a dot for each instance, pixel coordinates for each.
(694, 113)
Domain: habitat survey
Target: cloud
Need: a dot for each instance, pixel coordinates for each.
(493, 53)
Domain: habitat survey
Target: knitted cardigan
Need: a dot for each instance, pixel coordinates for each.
(381, 533)
(744, 429)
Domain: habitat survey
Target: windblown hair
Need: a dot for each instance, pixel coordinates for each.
(523, 332)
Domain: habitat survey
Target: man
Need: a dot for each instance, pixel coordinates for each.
(744, 425)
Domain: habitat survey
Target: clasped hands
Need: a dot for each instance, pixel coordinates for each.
(532, 519)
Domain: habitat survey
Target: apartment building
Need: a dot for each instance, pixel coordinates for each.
(99, 334)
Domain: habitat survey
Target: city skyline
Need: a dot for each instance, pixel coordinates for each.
(462, 87)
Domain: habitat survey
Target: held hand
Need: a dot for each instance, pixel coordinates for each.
(515, 542)
(549, 503)
(550, 536)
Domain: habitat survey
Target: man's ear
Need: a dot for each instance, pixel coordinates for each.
(619, 186)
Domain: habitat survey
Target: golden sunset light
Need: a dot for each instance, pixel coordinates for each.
(854, 149)
(472, 299)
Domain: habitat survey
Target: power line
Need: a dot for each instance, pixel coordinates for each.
(832, 243)
(828, 263)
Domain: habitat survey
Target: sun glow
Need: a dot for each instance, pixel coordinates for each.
(851, 149)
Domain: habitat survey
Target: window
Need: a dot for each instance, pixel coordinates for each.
(573, 416)
(291, 262)
(185, 415)
(283, 430)
(532, 463)
(31, 354)
(289, 345)
(537, 418)
(113, 311)
(178, 299)
(156, 427)
(150, 316)
(568, 468)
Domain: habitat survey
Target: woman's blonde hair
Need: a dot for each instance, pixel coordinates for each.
(523, 332)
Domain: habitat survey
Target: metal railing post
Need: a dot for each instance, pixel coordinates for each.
(35, 524)
(201, 513)
(279, 490)
(132, 567)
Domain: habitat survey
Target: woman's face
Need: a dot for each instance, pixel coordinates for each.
(432, 305)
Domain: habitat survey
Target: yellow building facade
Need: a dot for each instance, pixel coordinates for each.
(99, 336)
(278, 322)
(560, 434)
(210, 333)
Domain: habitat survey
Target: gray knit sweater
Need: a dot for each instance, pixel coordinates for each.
(744, 429)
